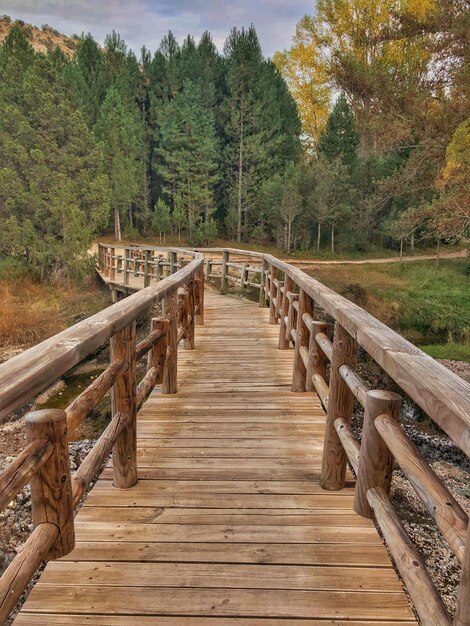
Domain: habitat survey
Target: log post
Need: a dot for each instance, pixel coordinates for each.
(173, 258)
(262, 285)
(126, 266)
(462, 611)
(158, 268)
(224, 281)
(340, 404)
(188, 319)
(284, 342)
(146, 269)
(51, 486)
(136, 255)
(316, 363)
(208, 268)
(112, 268)
(199, 282)
(291, 316)
(119, 264)
(170, 375)
(273, 274)
(299, 371)
(123, 400)
(157, 355)
(375, 459)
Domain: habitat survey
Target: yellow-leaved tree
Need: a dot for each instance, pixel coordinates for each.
(375, 51)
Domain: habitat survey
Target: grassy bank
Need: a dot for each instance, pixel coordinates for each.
(31, 312)
(428, 304)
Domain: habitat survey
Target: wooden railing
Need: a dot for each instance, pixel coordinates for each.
(299, 304)
(297, 301)
(44, 461)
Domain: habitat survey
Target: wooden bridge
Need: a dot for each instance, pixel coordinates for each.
(232, 498)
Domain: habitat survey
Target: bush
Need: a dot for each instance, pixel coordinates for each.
(12, 269)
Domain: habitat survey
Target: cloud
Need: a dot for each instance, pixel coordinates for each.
(147, 21)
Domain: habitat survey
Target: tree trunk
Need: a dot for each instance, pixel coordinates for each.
(318, 236)
(401, 250)
(412, 243)
(332, 239)
(438, 259)
(117, 225)
(240, 178)
(289, 234)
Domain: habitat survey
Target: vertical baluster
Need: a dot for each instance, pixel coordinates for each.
(375, 459)
(316, 364)
(273, 274)
(199, 319)
(157, 355)
(340, 404)
(123, 399)
(146, 268)
(284, 342)
(299, 376)
(262, 284)
(224, 281)
(462, 611)
(170, 377)
(126, 266)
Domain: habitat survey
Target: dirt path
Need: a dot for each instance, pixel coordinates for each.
(392, 259)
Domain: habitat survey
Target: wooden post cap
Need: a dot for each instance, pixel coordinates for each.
(45, 415)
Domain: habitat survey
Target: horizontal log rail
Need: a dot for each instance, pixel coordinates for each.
(294, 299)
(44, 461)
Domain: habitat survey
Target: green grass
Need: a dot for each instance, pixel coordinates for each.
(426, 303)
(453, 351)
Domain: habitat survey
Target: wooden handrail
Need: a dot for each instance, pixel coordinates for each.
(44, 462)
(444, 396)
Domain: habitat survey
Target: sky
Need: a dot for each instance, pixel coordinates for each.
(147, 21)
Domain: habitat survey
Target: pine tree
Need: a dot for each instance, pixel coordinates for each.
(119, 129)
(53, 191)
(161, 220)
(340, 139)
(188, 149)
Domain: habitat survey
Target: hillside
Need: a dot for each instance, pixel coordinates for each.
(42, 39)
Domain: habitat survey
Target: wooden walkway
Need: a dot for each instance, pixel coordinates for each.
(228, 525)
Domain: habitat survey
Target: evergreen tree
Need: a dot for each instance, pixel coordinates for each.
(188, 149)
(119, 129)
(340, 139)
(161, 220)
(53, 191)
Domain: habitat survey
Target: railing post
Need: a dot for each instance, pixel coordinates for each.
(146, 269)
(375, 459)
(340, 404)
(51, 486)
(199, 299)
(157, 355)
(123, 400)
(273, 274)
(126, 266)
(173, 258)
(170, 376)
(208, 268)
(262, 284)
(189, 309)
(316, 363)
(291, 316)
(136, 256)
(462, 611)
(158, 268)
(119, 264)
(299, 376)
(224, 281)
(112, 272)
(284, 342)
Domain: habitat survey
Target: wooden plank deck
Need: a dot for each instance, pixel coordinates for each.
(228, 525)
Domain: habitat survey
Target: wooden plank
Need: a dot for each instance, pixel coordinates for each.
(220, 602)
(116, 620)
(221, 575)
(331, 554)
